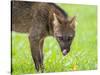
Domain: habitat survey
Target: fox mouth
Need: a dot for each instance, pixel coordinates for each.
(65, 51)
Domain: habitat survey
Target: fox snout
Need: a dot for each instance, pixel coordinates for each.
(65, 51)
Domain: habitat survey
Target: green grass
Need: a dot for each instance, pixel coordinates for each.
(83, 53)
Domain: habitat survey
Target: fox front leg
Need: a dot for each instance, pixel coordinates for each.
(41, 48)
(36, 45)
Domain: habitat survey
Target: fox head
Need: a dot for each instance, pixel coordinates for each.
(64, 31)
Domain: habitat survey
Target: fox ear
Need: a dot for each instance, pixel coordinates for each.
(55, 20)
(73, 22)
(56, 24)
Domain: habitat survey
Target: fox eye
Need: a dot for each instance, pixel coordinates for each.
(60, 37)
(70, 38)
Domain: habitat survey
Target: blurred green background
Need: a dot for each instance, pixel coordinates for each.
(83, 53)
